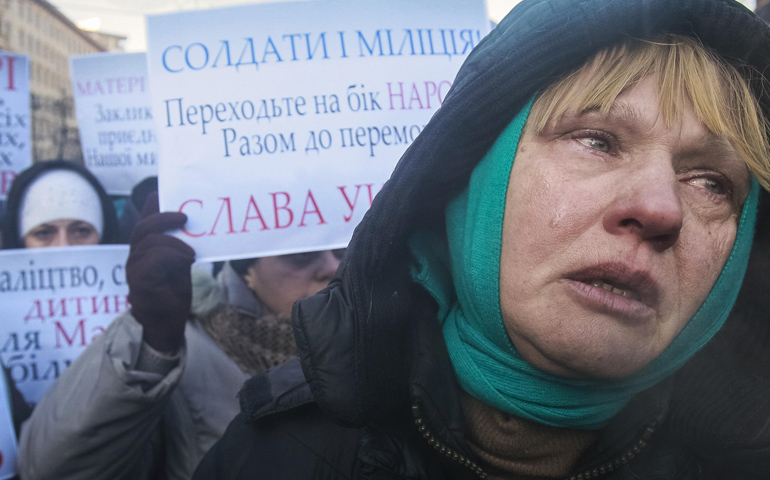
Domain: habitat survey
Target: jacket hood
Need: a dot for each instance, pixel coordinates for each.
(352, 336)
(110, 233)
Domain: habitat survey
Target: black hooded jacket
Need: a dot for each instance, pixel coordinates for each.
(377, 397)
(11, 239)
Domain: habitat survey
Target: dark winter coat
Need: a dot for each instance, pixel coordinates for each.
(381, 396)
(110, 230)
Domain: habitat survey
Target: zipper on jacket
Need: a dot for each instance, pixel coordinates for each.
(441, 447)
(615, 464)
(605, 468)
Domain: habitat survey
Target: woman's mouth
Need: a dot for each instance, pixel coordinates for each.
(616, 289)
(623, 291)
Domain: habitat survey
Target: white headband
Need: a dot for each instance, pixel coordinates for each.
(60, 195)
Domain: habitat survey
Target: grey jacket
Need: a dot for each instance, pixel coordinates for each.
(122, 412)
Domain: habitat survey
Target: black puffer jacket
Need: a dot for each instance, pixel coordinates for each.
(381, 399)
(710, 421)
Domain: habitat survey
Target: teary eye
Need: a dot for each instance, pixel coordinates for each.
(710, 184)
(595, 143)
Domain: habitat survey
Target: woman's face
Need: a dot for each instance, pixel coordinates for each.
(616, 227)
(61, 233)
(280, 281)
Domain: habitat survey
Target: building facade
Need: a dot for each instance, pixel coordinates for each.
(36, 28)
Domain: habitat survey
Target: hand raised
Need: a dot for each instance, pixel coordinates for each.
(158, 276)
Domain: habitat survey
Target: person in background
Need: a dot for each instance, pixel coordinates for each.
(530, 294)
(253, 328)
(54, 204)
(57, 204)
(150, 396)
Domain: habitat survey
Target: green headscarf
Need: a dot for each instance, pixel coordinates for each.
(486, 362)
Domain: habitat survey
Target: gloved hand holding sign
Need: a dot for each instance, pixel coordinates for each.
(158, 275)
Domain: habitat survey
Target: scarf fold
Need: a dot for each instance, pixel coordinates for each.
(486, 362)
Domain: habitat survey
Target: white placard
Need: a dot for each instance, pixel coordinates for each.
(15, 140)
(112, 102)
(278, 123)
(55, 302)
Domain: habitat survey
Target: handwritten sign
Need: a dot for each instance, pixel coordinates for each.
(112, 101)
(15, 142)
(55, 302)
(279, 123)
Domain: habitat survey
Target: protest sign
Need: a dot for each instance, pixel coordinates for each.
(279, 123)
(15, 143)
(56, 301)
(112, 101)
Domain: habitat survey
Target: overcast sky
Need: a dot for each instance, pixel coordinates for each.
(126, 17)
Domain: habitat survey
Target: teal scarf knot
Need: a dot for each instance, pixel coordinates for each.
(486, 362)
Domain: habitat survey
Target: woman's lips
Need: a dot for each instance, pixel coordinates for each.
(616, 289)
(603, 301)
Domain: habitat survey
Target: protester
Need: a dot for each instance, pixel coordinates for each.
(501, 319)
(158, 388)
(57, 204)
(53, 204)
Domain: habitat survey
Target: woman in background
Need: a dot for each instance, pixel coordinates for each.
(57, 204)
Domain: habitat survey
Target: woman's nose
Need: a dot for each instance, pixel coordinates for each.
(61, 239)
(647, 205)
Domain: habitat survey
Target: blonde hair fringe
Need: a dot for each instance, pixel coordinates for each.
(686, 72)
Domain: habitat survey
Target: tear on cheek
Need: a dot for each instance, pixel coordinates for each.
(559, 214)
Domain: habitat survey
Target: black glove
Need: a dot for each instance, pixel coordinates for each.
(158, 276)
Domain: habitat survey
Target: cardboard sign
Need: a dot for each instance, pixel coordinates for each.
(279, 123)
(15, 140)
(55, 302)
(112, 101)
(8, 444)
